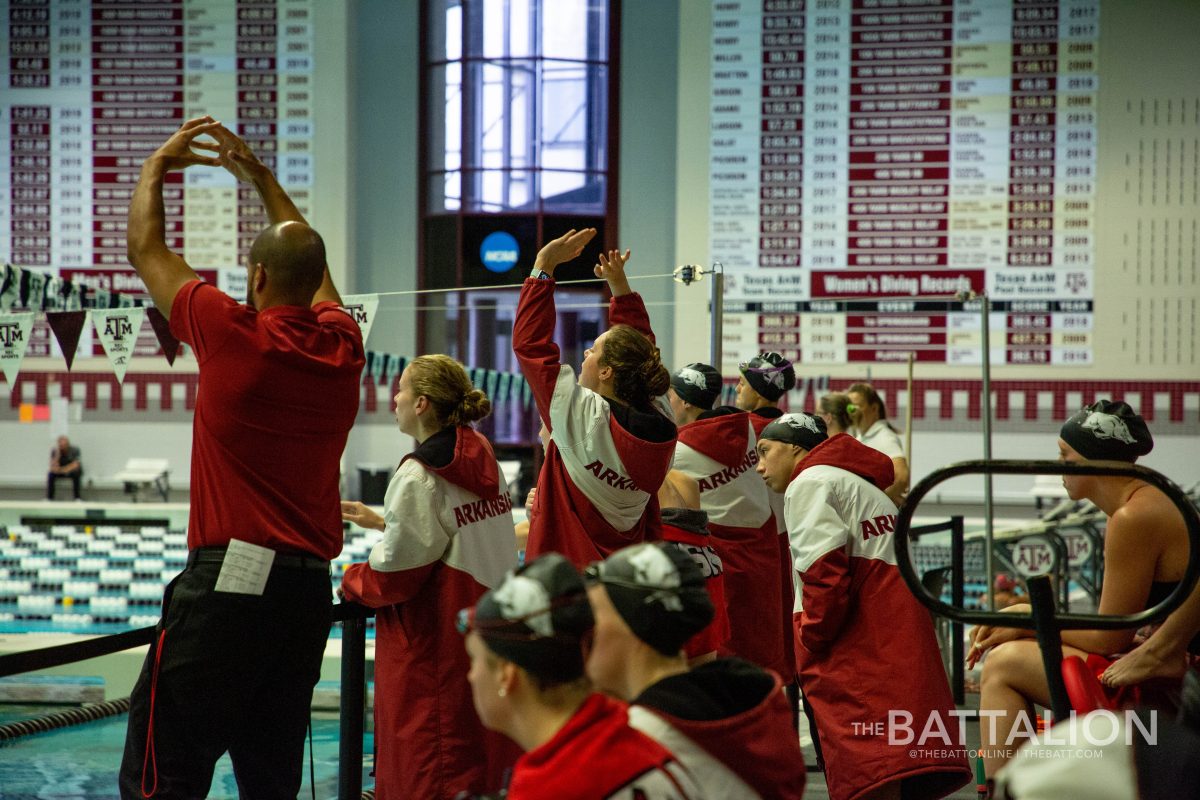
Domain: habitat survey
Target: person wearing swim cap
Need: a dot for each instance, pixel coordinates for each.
(525, 639)
(1146, 552)
(716, 449)
(858, 627)
(763, 382)
(726, 720)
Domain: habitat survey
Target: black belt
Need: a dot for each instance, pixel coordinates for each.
(216, 555)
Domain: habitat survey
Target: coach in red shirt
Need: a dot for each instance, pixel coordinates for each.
(243, 629)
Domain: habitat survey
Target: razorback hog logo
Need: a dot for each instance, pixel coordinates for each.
(611, 476)
(693, 377)
(878, 526)
(1108, 426)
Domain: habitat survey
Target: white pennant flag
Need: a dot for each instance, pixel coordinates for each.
(118, 331)
(14, 338)
(362, 308)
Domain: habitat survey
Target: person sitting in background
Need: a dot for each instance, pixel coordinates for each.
(447, 537)
(1007, 591)
(726, 720)
(685, 525)
(525, 640)
(1145, 555)
(834, 409)
(871, 427)
(611, 434)
(717, 449)
(64, 463)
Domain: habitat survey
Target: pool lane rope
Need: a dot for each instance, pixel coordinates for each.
(62, 719)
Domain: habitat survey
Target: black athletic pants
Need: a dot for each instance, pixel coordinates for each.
(234, 673)
(76, 476)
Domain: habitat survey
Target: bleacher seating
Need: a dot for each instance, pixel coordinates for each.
(104, 578)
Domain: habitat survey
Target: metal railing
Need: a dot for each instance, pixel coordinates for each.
(1044, 620)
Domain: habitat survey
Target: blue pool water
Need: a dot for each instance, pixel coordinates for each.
(81, 762)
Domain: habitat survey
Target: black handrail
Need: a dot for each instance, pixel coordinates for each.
(1043, 620)
(904, 527)
(953, 526)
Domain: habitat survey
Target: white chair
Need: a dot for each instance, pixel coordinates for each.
(144, 474)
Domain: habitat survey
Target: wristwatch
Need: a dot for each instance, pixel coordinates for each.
(541, 275)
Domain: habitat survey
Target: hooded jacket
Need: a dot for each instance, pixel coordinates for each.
(719, 452)
(865, 648)
(730, 726)
(686, 529)
(604, 463)
(761, 418)
(596, 756)
(448, 538)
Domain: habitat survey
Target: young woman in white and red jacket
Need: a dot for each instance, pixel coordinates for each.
(865, 647)
(611, 434)
(447, 538)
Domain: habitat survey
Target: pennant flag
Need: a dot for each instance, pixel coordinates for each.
(72, 299)
(33, 288)
(52, 294)
(504, 390)
(67, 327)
(493, 380)
(526, 394)
(395, 365)
(14, 338)
(378, 366)
(162, 330)
(118, 332)
(362, 308)
(10, 287)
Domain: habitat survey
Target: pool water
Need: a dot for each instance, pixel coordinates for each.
(81, 762)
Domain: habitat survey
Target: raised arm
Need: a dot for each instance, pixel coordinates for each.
(162, 270)
(237, 157)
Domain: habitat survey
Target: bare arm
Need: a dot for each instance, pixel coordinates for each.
(242, 163)
(162, 270)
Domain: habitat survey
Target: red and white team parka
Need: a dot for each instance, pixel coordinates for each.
(597, 756)
(761, 418)
(449, 538)
(730, 726)
(598, 484)
(718, 452)
(864, 645)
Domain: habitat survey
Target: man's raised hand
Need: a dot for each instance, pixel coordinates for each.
(178, 153)
(236, 156)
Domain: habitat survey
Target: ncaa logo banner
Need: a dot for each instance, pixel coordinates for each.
(14, 338)
(362, 308)
(118, 329)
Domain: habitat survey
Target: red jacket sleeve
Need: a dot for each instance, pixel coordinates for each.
(365, 585)
(533, 342)
(630, 309)
(822, 560)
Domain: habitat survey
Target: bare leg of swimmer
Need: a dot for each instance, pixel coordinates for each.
(1013, 680)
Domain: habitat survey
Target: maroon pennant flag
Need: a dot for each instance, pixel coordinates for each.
(67, 326)
(162, 329)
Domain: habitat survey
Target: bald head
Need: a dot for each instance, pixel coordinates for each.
(293, 255)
